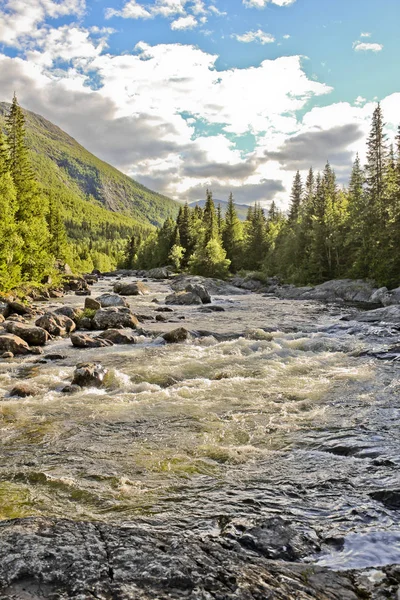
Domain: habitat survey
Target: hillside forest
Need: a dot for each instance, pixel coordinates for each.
(329, 231)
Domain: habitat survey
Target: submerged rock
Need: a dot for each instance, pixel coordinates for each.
(23, 390)
(82, 340)
(131, 289)
(92, 304)
(33, 335)
(89, 375)
(176, 336)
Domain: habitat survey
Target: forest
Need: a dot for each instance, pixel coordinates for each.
(329, 232)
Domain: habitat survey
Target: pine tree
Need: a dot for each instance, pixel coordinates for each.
(30, 203)
(256, 238)
(232, 236)
(210, 221)
(295, 198)
(58, 236)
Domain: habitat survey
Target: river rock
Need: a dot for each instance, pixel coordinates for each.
(19, 308)
(131, 289)
(388, 314)
(74, 284)
(33, 335)
(92, 304)
(118, 336)
(82, 340)
(70, 312)
(89, 375)
(56, 324)
(12, 343)
(23, 390)
(210, 309)
(4, 309)
(183, 298)
(176, 335)
(57, 558)
(114, 318)
(159, 273)
(6, 355)
(56, 293)
(213, 286)
(161, 318)
(200, 290)
(108, 300)
(346, 290)
(391, 297)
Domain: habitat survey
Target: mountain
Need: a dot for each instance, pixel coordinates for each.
(241, 209)
(90, 188)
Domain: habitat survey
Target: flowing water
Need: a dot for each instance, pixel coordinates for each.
(273, 410)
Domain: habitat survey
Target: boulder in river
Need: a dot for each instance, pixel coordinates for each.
(69, 311)
(159, 273)
(89, 375)
(4, 309)
(82, 340)
(23, 390)
(19, 308)
(118, 336)
(12, 343)
(388, 314)
(176, 335)
(183, 298)
(200, 290)
(107, 300)
(114, 318)
(136, 288)
(391, 297)
(56, 324)
(33, 335)
(345, 290)
(92, 304)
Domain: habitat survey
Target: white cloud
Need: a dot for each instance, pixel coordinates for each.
(19, 18)
(286, 37)
(255, 36)
(367, 47)
(263, 3)
(131, 10)
(366, 34)
(182, 23)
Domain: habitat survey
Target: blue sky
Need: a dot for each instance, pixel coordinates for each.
(235, 95)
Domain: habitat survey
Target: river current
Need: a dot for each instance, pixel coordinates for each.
(275, 409)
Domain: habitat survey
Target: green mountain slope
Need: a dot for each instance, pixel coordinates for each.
(91, 190)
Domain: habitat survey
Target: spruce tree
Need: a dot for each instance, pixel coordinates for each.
(30, 203)
(232, 236)
(295, 198)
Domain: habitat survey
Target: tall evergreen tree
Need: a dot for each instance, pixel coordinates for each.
(30, 203)
(295, 198)
(232, 236)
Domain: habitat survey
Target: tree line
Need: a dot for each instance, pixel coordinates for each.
(329, 231)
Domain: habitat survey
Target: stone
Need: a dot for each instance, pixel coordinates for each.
(199, 290)
(183, 298)
(118, 336)
(131, 289)
(55, 356)
(89, 375)
(23, 390)
(71, 389)
(165, 309)
(92, 303)
(391, 297)
(56, 324)
(176, 335)
(33, 335)
(56, 293)
(85, 324)
(114, 318)
(210, 309)
(159, 273)
(345, 290)
(108, 300)
(4, 309)
(70, 312)
(19, 308)
(83, 293)
(379, 295)
(7, 355)
(12, 343)
(74, 284)
(82, 340)
(388, 314)
(161, 318)
(2, 319)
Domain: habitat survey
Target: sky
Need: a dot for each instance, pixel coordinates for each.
(185, 95)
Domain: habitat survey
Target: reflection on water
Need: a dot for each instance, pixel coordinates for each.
(286, 418)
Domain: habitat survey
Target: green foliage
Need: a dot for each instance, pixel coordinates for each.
(210, 260)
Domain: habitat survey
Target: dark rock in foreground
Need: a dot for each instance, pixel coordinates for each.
(176, 336)
(48, 558)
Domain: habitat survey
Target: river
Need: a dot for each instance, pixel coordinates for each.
(274, 410)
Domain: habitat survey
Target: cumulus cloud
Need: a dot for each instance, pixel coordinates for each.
(19, 19)
(367, 47)
(182, 23)
(255, 36)
(263, 3)
(366, 34)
